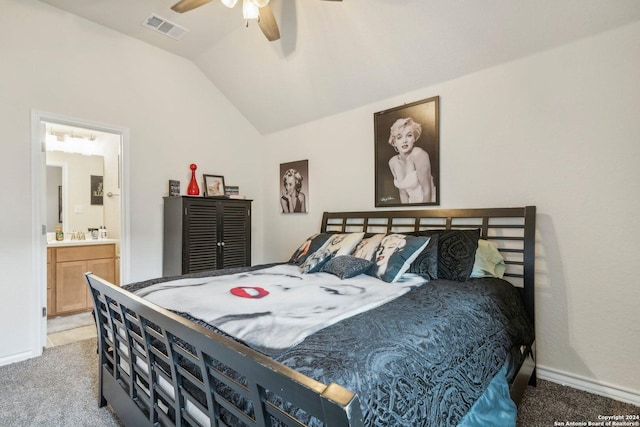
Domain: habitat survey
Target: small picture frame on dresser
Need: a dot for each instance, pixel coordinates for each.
(213, 185)
(174, 187)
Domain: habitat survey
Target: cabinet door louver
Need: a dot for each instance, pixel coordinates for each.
(201, 234)
(234, 236)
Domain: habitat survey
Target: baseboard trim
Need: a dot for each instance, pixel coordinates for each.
(588, 385)
(18, 357)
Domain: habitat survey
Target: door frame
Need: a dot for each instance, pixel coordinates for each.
(38, 214)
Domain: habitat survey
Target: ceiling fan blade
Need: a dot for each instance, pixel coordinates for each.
(268, 24)
(187, 5)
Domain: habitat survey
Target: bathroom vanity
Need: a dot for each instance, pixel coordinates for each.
(67, 261)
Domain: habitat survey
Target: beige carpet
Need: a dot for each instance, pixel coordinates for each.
(551, 404)
(60, 389)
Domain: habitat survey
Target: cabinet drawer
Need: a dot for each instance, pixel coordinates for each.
(78, 253)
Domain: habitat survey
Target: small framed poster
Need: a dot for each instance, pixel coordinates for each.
(174, 187)
(97, 190)
(213, 185)
(294, 186)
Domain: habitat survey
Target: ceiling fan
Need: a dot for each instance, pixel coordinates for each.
(251, 9)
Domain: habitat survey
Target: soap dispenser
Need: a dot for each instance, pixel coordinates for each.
(59, 233)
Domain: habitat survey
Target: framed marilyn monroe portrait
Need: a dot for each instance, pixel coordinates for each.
(407, 143)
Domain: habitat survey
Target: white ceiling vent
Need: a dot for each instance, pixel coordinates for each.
(161, 25)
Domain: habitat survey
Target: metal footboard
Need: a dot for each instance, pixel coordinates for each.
(157, 368)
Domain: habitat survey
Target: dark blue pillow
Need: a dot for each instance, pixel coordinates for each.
(346, 266)
(426, 264)
(456, 252)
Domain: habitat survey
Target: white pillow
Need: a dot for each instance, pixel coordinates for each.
(489, 262)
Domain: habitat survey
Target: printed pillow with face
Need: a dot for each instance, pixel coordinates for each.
(314, 263)
(395, 254)
(368, 246)
(343, 243)
(312, 244)
(489, 262)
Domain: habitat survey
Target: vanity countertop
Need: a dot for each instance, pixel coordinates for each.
(69, 242)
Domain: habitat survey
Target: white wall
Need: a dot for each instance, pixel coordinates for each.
(558, 130)
(55, 62)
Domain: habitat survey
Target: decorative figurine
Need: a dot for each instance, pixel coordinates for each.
(193, 189)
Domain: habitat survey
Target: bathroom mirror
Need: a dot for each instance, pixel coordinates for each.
(69, 192)
(55, 213)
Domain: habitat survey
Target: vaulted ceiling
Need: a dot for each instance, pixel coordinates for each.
(336, 56)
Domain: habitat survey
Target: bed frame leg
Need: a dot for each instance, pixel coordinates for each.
(533, 381)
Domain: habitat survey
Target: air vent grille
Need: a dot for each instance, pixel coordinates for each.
(161, 25)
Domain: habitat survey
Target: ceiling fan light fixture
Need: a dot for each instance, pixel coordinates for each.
(249, 10)
(229, 3)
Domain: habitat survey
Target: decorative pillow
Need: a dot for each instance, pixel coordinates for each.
(368, 246)
(309, 246)
(426, 263)
(345, 266)
(395, 254)
(489, 262)
(315, 261)
(456, 253)
(343, 243)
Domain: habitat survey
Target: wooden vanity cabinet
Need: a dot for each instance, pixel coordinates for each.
(69, 290)
(51, 281)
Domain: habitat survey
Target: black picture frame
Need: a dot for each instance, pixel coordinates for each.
(60, 204)
(408, 190)
(97, 189)
(294, 187)
(213, 185)
(174, 187)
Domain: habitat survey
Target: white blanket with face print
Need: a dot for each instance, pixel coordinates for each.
(275, 308)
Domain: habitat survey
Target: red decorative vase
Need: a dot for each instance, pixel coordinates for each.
(193, 189)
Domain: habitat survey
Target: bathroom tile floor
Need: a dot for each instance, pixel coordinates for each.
(67, 329)
(71, 335)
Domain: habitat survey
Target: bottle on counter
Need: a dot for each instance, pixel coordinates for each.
(103, 232)
(59, 233)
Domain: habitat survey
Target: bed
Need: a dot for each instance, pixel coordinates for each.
(383, 366)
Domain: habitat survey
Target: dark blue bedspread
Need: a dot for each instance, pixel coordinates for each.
(422, 359)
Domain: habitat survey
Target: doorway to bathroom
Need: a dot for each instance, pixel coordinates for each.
(81, 208)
